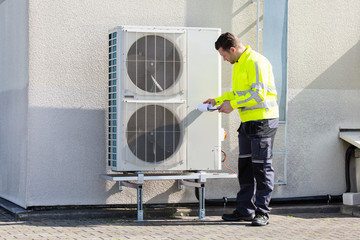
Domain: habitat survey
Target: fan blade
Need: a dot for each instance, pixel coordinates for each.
(156, 83)
(160, 75)
(164, 140)
(137, 144)
(139, 71)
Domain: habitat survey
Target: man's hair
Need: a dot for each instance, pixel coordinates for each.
(226, 41)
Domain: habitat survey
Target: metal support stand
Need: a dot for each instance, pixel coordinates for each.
(140, 210)
(202, 202)
(201, 187)
(139, 189)
(200, 176)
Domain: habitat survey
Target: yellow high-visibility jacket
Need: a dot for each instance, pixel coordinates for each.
(254, 92)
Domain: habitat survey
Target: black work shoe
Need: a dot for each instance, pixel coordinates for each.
(236, 216)
(261, 219)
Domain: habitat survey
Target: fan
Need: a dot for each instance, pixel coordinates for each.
(153, 63)
(153, 133)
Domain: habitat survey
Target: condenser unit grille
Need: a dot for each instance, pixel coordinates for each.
(153, 133)
(153, 63)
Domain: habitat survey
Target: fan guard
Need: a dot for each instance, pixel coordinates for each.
(153, 133)
(153, 63)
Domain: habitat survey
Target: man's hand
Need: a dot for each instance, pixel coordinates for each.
(226, 107)
(210, 101)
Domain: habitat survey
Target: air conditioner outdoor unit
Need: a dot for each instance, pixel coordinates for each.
(157, 77)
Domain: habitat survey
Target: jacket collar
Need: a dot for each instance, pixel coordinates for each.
(244, 55)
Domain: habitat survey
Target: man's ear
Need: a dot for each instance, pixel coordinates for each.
(232, 49)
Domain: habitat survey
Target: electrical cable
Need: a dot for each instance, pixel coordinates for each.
(224, 159)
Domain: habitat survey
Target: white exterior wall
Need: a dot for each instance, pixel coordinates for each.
(323, 93)
(62, 148)
(68, 92)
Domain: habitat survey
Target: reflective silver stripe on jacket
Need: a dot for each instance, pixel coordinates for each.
(266, 104)
(254, 95)
(263, 86)
(257, 72)
(257, 86)
(239, 93)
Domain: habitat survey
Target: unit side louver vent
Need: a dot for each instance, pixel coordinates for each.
(112, 101)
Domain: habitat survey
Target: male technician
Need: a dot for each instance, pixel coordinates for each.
(254, 95)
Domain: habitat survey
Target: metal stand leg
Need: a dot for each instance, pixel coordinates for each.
(139, 188)
(140, 212)
(201, 187)
(202, 202)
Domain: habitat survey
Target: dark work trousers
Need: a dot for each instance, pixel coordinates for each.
(255, 173)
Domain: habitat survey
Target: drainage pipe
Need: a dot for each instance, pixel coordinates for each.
(348, 155)
(328, 198)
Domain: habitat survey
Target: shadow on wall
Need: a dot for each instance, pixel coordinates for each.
(327, 93)
(13, 143)
(315, 114)
(248, 28)
(66, 155)
(343, 74)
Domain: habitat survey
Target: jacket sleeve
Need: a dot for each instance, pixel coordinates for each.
(228, 96)
(256, 92)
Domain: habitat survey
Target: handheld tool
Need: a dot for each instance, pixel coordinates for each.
(206, 108)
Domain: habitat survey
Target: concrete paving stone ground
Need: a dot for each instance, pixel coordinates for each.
(282, 226)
